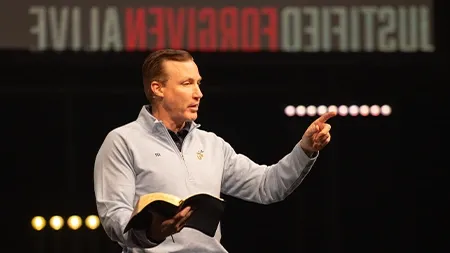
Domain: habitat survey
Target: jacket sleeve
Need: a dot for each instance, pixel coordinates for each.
(247, 180)
(114, 187)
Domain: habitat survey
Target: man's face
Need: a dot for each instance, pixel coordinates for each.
(181, 93)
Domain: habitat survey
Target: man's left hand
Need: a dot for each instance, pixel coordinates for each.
(317, 136)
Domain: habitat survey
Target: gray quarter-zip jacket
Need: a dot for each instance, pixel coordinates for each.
(140, 158)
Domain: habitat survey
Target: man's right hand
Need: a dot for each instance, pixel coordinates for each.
(161, 227)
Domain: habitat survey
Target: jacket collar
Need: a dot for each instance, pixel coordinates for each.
(150, 123)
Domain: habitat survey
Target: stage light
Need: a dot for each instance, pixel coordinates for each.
(375, 110)
(332, 108)
(321, 109)
(92, 222)
(289, 110)
(342, 110)
(311, 110)
(74, 222)
(56, 222)
(386, 110)
(300, 110)
(364, 110)
(38, 223)
(353, 110)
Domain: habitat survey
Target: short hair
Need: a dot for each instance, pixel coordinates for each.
(152, 69)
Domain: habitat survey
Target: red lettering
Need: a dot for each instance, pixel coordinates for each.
(271, 30)
(205, 29)
(229, 33)
(135, 34)
(207, 36)
(176, 31)
(158, 29)
(250, 23)
(192, 30)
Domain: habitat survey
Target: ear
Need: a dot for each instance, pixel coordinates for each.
(157, 88)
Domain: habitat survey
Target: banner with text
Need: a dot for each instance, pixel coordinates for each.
(200, 25)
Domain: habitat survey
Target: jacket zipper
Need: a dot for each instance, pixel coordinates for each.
(180, 153)
(175, 146)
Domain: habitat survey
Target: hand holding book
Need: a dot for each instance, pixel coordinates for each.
(162, 214)
(161, 227)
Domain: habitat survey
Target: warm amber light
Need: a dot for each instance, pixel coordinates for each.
(56, 222)
(74, 222)
(38, 223)
(92, 222)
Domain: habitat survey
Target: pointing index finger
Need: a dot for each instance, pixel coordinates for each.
(325, 117)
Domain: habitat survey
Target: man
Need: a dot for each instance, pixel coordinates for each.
(164, 150)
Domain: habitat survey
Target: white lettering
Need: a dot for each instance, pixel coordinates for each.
(341, 28)
(94, 29)
(369, 18)
(355, 30)
(112, 36)
(54, 25)
(425, 30)
(76, 29)
(58, 27)
(312, 29)
(326, 30)
(407, 26)
(40, 29)
(386, 42)
(363, 28)
(291, 38)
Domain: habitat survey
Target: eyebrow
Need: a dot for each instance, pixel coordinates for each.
(190, 78)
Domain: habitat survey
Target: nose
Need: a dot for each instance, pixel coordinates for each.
(198, 93)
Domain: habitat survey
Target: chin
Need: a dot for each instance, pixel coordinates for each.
(190, 116)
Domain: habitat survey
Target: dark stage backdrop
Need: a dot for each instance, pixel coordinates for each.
(377, 187)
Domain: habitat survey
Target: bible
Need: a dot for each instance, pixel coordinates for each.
(206, 215)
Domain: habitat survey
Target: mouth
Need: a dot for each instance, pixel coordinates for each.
(193, 106)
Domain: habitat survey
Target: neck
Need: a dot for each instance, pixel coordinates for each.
(168, 121)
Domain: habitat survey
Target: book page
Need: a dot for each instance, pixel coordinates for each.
(148, 198)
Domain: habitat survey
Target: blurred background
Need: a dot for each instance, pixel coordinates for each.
(70, 73)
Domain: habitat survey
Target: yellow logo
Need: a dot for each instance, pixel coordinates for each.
(200, 155)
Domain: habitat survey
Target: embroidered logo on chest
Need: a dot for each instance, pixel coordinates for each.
(200, 154)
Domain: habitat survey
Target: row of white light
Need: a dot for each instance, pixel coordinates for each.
(342, 110)
(74, 222)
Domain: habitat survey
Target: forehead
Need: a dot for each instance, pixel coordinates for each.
(181, 69)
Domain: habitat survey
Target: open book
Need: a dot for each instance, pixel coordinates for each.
(207, 211)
